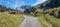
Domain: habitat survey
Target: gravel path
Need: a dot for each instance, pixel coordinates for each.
(30, 22)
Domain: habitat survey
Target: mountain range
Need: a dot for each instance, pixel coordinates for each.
(48, 4)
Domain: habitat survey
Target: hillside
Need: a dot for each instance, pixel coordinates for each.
(48, 18)
(49, 4)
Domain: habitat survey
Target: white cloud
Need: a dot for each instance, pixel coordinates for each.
(38, 2)
(17, 4)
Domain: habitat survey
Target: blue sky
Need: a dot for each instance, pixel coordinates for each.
(16, 3)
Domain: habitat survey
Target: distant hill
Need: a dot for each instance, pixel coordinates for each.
(22, 8)
(25, 6)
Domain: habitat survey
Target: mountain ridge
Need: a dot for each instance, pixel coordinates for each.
(48, 4)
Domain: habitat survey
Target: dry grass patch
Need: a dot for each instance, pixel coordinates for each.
(10, 20)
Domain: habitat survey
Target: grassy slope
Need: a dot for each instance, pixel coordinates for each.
(43, 21)
(49, 21)
(10, 20)
(55, 22)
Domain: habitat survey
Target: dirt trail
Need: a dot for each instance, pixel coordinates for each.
(30, 22)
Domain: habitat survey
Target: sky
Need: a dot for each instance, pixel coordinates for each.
(16, 3)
